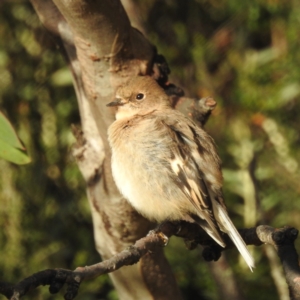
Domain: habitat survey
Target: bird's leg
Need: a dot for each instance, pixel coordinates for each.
(164, 239)
(162, 236)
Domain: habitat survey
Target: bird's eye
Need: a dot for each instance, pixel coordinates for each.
(139, 96)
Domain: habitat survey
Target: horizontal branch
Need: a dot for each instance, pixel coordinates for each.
(282, 239)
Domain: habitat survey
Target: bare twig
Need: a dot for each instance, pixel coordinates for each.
(282, 239)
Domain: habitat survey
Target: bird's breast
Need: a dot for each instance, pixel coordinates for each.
(140, 166)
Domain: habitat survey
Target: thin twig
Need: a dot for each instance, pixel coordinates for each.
(282, 239)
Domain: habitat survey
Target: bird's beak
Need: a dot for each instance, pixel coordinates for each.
(116, 102)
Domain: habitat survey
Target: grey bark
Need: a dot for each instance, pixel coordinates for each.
(103, 51)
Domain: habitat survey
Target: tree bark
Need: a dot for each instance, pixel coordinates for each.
(103, 51)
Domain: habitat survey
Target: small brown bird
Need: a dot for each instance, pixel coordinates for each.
(165, 165)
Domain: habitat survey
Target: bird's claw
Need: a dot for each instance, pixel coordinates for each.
(162, 236)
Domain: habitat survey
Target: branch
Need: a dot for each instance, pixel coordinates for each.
(198, 110)
(282, 239)
(103, 51)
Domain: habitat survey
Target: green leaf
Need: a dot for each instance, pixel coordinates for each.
(13, 154)
(11, 148)
(8, 134)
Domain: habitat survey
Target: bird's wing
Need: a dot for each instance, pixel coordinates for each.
(187, 158)
(197, 172)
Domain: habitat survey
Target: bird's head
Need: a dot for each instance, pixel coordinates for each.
(140, 95)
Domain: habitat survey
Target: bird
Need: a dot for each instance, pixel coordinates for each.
(165, 165)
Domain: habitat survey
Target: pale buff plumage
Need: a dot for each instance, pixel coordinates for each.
(165, 165)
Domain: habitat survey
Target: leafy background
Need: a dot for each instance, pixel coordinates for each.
(245, 55)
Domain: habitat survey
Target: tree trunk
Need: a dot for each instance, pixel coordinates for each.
(103, 51)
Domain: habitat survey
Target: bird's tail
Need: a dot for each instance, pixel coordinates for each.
(227, 226)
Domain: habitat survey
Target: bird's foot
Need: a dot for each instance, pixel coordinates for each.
(161, 235)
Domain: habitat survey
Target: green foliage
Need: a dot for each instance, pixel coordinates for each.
(244, 54)
(11, 148)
